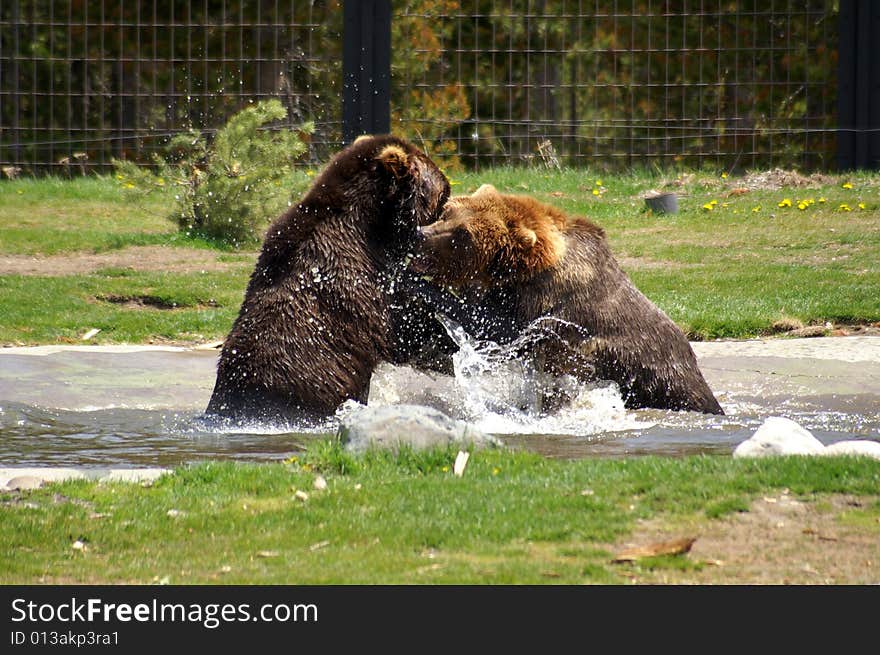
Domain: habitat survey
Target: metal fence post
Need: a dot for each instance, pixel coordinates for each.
(366, 68)
(858, 94)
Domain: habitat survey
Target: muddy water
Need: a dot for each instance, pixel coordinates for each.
(140, 406)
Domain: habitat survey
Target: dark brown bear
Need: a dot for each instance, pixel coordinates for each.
(521, 260)
(321, 308)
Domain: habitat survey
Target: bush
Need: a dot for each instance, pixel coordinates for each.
(226, 189)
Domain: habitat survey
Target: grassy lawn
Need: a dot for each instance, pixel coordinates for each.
(401, 519)
(82, 254)
(729, 271)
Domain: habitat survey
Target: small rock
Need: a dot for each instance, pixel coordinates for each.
(320, 483)
(810, 331)
(174, 513)
(301, 495)
(24, 482)
(786, 325)
(779, 436)
(855, 447)
(416, 426)
(78, 545)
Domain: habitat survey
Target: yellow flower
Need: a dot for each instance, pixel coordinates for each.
(821, 200)
(844, 208)
(496, 471)
(595, 192)
(129, 186)
(445, 469)
(785, 202)
(713, 202)
(310, 173)
(861, 205)
(847, 185)
(724, 176)
(756, 209)
(802, 205)
(160, 182)
(708, 206)
(598, 182)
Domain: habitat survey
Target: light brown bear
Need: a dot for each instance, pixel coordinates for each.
(518, 260)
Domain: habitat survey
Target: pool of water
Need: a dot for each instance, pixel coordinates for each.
(141, 406)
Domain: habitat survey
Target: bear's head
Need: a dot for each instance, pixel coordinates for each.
(489, 238)
(392, 184)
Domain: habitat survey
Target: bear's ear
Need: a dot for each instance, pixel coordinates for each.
(485, 190)
(361, 138)
(394, 159)
(525, 238)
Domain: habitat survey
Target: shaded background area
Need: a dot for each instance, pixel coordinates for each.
(610, 83)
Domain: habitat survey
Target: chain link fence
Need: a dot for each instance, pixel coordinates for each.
(606, 83)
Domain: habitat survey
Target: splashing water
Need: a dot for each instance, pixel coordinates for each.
(502, 393)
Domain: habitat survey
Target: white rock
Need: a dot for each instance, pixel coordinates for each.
(415, 426)
(855, 447)
(24, 482)
(779, 436)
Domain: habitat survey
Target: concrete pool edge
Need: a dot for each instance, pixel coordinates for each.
(32, 477)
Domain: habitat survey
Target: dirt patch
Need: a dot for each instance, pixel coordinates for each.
(778, 178)
(645, 263)
(135, 258)
(780, 540)
(154, 302)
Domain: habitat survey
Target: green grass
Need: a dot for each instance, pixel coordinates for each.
(191, 307)
(513, 517)
(726, 273)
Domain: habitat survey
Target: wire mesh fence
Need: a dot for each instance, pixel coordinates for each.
(84, 81)
(606, 83)
(614, 83)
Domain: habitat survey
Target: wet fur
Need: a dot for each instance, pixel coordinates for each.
(321, 310)
(618, 333)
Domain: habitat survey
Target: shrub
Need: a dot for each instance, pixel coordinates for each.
(226, 189)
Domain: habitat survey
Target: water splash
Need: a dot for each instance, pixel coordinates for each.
(500, 392)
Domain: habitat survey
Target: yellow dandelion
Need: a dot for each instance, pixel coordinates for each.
(847, 185)
(725, 204)
(708, 206)
(598, 182)
(445, 469)
(756, 209)
(844, 208)
(724, 176)
(595, 192)
(129, 186)
(496, 471)
(785, 202)
(160, 182)
(861, 205)
(821, 200)
(310, 173)
(713, 202)
(802, 206)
